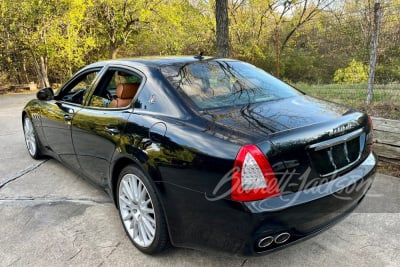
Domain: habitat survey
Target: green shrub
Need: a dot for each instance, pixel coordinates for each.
(356, 72)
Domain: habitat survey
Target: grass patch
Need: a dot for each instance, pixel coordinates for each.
(386, 101)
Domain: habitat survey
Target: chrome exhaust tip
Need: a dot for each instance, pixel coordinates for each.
(281, 238)
(265, 242)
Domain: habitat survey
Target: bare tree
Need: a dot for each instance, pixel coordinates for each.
(118, 23)
(374, 48)
(283, 11)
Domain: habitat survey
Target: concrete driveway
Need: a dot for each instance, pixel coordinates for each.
(50, 216)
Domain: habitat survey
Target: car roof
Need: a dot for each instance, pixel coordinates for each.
(155, 61)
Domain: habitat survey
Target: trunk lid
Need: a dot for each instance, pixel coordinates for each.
(307, 141)
(312, 155)
(263, 119)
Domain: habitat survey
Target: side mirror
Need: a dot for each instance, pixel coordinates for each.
(45, 94)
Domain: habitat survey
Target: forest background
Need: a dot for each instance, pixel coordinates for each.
(318, 45)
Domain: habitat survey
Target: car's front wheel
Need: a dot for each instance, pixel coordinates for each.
(140, 211)
(31, 140)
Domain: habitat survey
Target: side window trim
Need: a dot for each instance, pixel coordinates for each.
(95, 84)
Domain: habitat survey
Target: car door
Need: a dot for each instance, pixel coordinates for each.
(97, 127)
(59, 113)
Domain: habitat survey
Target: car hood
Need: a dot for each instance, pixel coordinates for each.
(263, 119)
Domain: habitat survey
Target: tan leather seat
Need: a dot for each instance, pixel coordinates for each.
(125, 93)
(192, 87)
(221, 90)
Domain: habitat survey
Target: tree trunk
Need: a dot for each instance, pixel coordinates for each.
(277, 52)
(374, 48)
(114, 48)
(222, 21)
(70, 73)
(114, 52)
(25, 70)
(43, 70)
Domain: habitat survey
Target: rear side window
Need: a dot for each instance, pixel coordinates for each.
(117, 89)
(215, 84)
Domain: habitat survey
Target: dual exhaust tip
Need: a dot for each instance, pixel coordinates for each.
(268, 240)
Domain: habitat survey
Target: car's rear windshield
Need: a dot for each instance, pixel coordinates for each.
(215, 84)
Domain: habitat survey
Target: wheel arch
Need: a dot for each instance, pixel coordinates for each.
(117, 167)
(28, 109)
(119, 164)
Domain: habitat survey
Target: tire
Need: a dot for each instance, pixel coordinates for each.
(140, 211)
(31, 140)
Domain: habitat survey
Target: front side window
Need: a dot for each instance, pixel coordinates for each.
(79, 88)
(215, 84)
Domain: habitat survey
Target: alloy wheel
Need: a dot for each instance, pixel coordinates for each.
(137, 210)
(30, 138)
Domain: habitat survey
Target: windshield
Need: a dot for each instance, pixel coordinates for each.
(216, 84)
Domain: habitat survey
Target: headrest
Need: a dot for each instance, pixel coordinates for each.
(127, 90)
(123, 74)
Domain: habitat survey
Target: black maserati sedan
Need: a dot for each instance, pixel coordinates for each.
(204, 152)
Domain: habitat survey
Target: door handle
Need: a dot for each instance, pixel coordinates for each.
(111, 130)
(67, 117)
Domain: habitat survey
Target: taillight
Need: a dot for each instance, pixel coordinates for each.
(253, 177)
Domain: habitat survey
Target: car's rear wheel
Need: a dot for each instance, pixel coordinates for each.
(140, 211)
(31, 140)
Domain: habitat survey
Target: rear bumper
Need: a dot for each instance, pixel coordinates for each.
(237, 227)
(310, 211)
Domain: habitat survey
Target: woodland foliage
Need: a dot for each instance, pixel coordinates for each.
(313, 41)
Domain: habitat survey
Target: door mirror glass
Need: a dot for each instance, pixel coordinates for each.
(45, 94)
